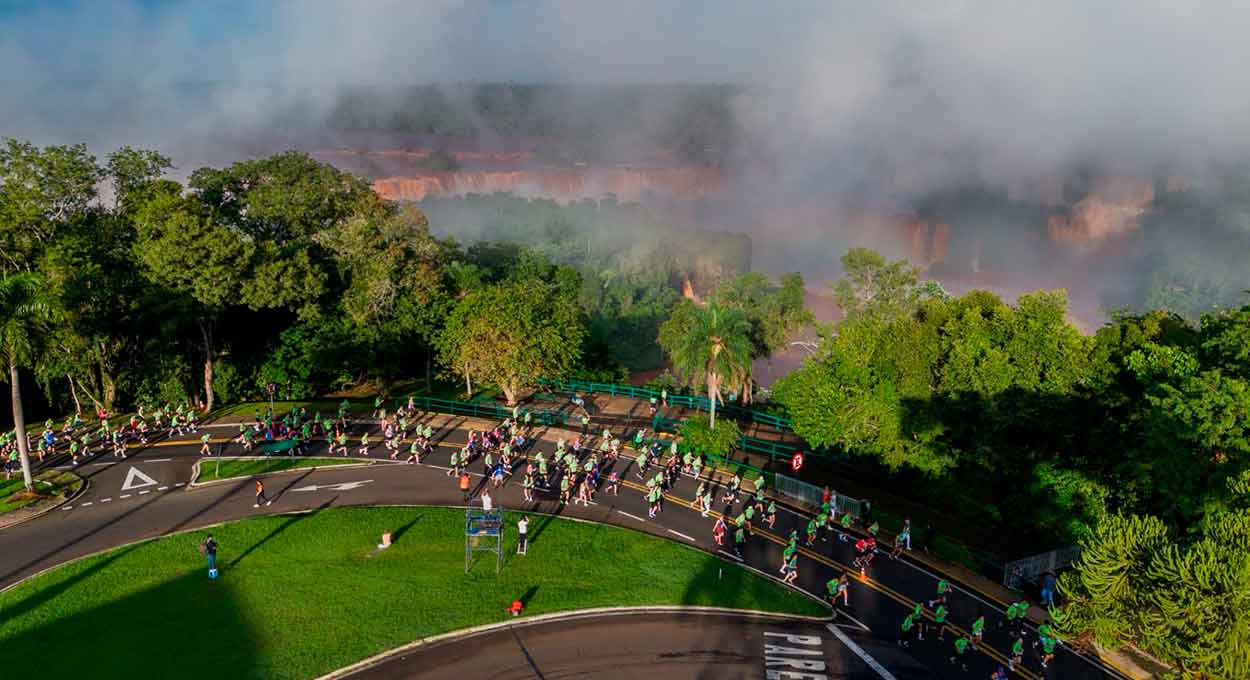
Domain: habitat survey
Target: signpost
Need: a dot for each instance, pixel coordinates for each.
(483, 531)
(796, 461)
(271, 388)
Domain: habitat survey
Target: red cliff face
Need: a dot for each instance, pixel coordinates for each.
(561, 184)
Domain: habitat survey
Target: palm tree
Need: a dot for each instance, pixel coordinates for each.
(710, 343)
(24, 316)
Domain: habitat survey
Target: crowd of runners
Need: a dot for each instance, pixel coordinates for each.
(573, 472)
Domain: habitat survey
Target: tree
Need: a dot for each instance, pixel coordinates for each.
(872, 285)
(710, 346)
(511, 333)
(699, 435)
(24, 316)
(40, 190)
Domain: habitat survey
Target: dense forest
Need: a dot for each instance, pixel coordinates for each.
(289, 271)
(1134, 441)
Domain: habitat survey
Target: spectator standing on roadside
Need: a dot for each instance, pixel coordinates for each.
(209, 549)
(522, 526)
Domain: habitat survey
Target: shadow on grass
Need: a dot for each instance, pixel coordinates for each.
(290, 520)
(399, 533)
(207, 635)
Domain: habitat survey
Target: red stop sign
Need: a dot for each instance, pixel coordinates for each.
(796, 461)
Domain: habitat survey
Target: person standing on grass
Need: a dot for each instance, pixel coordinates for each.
(522, 526)
(487, 502)
(260, 495)
(208, 547)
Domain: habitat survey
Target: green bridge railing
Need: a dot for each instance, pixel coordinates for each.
(697, 402)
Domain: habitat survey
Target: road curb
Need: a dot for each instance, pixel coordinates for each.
(195, 470)
(81, 490)
(556, 617)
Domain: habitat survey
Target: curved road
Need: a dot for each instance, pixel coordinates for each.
(147, 495)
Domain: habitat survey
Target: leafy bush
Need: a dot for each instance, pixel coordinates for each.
(698, 435)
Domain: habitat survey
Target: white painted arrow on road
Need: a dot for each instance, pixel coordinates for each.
(345, 486)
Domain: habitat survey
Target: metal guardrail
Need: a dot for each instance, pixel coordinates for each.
(812, 495)
(1018, 572)
(697, 402)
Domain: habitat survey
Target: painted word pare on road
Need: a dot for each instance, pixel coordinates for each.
(794, 657)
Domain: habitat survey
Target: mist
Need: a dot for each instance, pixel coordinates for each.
(838, 108)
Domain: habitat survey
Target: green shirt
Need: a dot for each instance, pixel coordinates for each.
(1048, 645)
(961, 645)
(943, 585)
(1017, 647)
(908, 623)
(940, 614)
(832, 586)
(846, 521)
(978, 625)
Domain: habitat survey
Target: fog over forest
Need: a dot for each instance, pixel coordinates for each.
(1100, 146)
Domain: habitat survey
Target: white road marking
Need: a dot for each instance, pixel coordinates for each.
(87, 503)
(678, 533)
(861, 624)
(136, 479)
(105, 500)
(631, 516)
(125, 495)
(180, 483)
(859, 651)
(143, 492)
(68, 507)
(345, 486)
(161, 488)
(157, 460)
(730, 555)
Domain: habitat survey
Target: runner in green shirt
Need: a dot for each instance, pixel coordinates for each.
(943, 587)
(978, 629)
(1048, 650)
(961, 646)
(740, 538)
(364, 444)
(1017, 653)
(939, 619)
(342, 442)
(770, 516)
(905, 630)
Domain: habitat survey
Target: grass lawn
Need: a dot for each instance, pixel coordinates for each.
(53, 482)
(299, 595)
(221, 468)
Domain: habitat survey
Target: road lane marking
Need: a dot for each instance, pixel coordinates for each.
(143, 492)
(87, 503)
(125, 495)
(68, 507)
(157, 460)
(161, 488)
(678, 533)
(859, 651)
(631, 516)
(105, 500)
(730, 555)
(136, 479)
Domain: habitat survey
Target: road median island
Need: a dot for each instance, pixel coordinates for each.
(213, 470)
(52, 488)
(305, 594)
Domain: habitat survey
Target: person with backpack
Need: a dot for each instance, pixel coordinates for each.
(208, 548)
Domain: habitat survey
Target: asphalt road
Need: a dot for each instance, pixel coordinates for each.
(146, 495)
(669, 646)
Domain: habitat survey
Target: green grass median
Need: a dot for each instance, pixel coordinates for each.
(49, 483)
(224, 468)
(301, 595)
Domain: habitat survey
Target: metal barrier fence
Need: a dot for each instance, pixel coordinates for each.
(1028, 569)
(697, 402)
(812, 495)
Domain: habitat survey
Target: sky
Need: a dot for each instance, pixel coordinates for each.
(919, 96)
